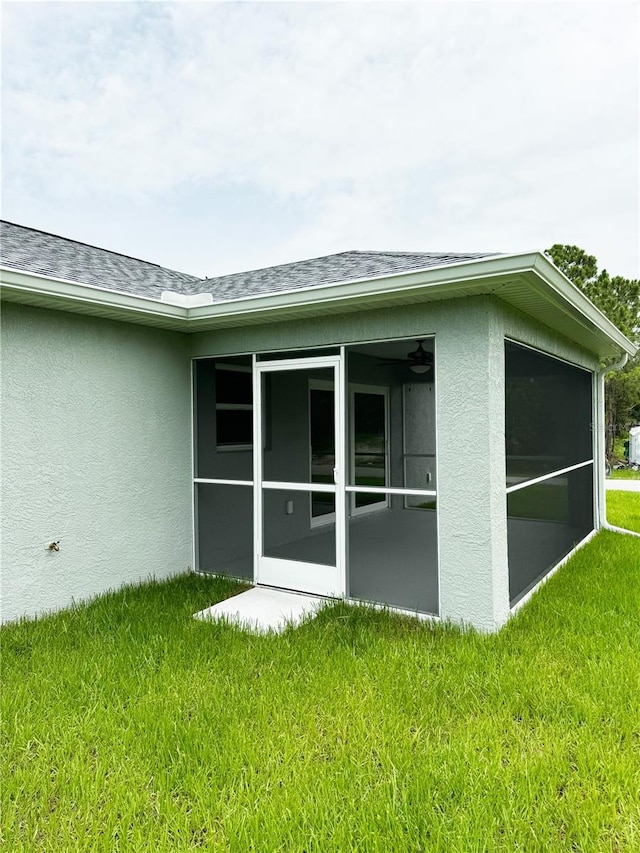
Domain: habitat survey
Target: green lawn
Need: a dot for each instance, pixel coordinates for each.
(623, 509)
(129, 726)
(624, 474)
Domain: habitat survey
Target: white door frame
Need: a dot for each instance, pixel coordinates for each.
(292, 574)
(381, 391)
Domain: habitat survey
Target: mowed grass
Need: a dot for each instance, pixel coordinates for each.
(624, 474)
(129, 726)
(623, 509)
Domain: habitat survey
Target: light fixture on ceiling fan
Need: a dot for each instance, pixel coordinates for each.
(418, 360)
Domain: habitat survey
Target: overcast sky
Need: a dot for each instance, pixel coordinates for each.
(218, 137)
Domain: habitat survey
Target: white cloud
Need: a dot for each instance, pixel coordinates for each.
(516, 122)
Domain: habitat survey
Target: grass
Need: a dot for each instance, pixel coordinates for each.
(129, 726)
(623, 509)
(624, 474)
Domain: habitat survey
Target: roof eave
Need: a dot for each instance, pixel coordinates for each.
(495, 275)
(572, 296)
(491, 275)
(62, 294)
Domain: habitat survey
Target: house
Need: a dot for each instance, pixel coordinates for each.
(634, 445)
(414, 429)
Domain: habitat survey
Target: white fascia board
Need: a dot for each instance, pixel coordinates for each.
(389, 282)
(485, 277)
(14, 280)
(444, 276)
(567, 290)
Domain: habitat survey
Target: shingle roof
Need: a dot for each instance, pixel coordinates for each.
(46, 254)
(344, 266)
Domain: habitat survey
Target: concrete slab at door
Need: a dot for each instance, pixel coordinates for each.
(261, 609)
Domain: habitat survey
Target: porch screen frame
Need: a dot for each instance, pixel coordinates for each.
(521, 597)
(261, 368)
(215, 481)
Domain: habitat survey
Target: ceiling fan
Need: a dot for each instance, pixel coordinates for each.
(418, 360)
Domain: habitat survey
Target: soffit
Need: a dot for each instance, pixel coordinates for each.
(526, 288)
(525, 291)
(530, 295)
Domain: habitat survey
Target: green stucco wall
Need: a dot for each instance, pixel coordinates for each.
(96, 444)
(95, 452)
(469, 346)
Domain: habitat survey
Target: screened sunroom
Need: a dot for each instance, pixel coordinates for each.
(315, 471)
(417, 430)
(444, 474)
(550, 447)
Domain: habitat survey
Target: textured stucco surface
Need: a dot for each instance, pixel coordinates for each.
(95, 452)
(469, 340)
(522, 329)
(96, 445)
(471, 468)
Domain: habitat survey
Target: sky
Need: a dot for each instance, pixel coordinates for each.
(215, 137)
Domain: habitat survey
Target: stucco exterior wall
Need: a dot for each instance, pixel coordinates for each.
(522, 329)
(95, 444)
(469, 346)
(470, 410)
(95, 452)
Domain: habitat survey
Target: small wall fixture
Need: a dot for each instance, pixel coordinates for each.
(53, 546)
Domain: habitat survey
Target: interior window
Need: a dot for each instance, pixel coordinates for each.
(369, 446)
(234, 407)
(322, 445)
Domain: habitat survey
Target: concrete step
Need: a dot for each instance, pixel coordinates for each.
(264, 609)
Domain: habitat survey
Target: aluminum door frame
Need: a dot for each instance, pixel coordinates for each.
(291, 570)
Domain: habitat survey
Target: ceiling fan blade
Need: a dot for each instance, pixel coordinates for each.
(418, 357)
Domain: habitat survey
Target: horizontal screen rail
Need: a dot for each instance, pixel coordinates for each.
(380, 490)
(550, 476)
(219, 482)
(419, 455)
(298, 363)
(326, 488)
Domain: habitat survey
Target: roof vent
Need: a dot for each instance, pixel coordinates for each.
(191, 300)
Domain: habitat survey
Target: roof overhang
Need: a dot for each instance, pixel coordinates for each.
(529, 282)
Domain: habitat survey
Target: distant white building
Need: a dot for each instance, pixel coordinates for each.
(634, 445)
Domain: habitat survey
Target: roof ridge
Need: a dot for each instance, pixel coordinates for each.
(413, 252)
(350, 252)
(284, 264)
(99, 248)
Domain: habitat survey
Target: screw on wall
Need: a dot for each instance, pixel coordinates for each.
(53, 546)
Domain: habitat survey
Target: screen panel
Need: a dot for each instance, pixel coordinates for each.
(287, 531)
(545, 521)
(299, 425)
(548, 412)
(393, 557)
(224, 529)
(223, 418)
